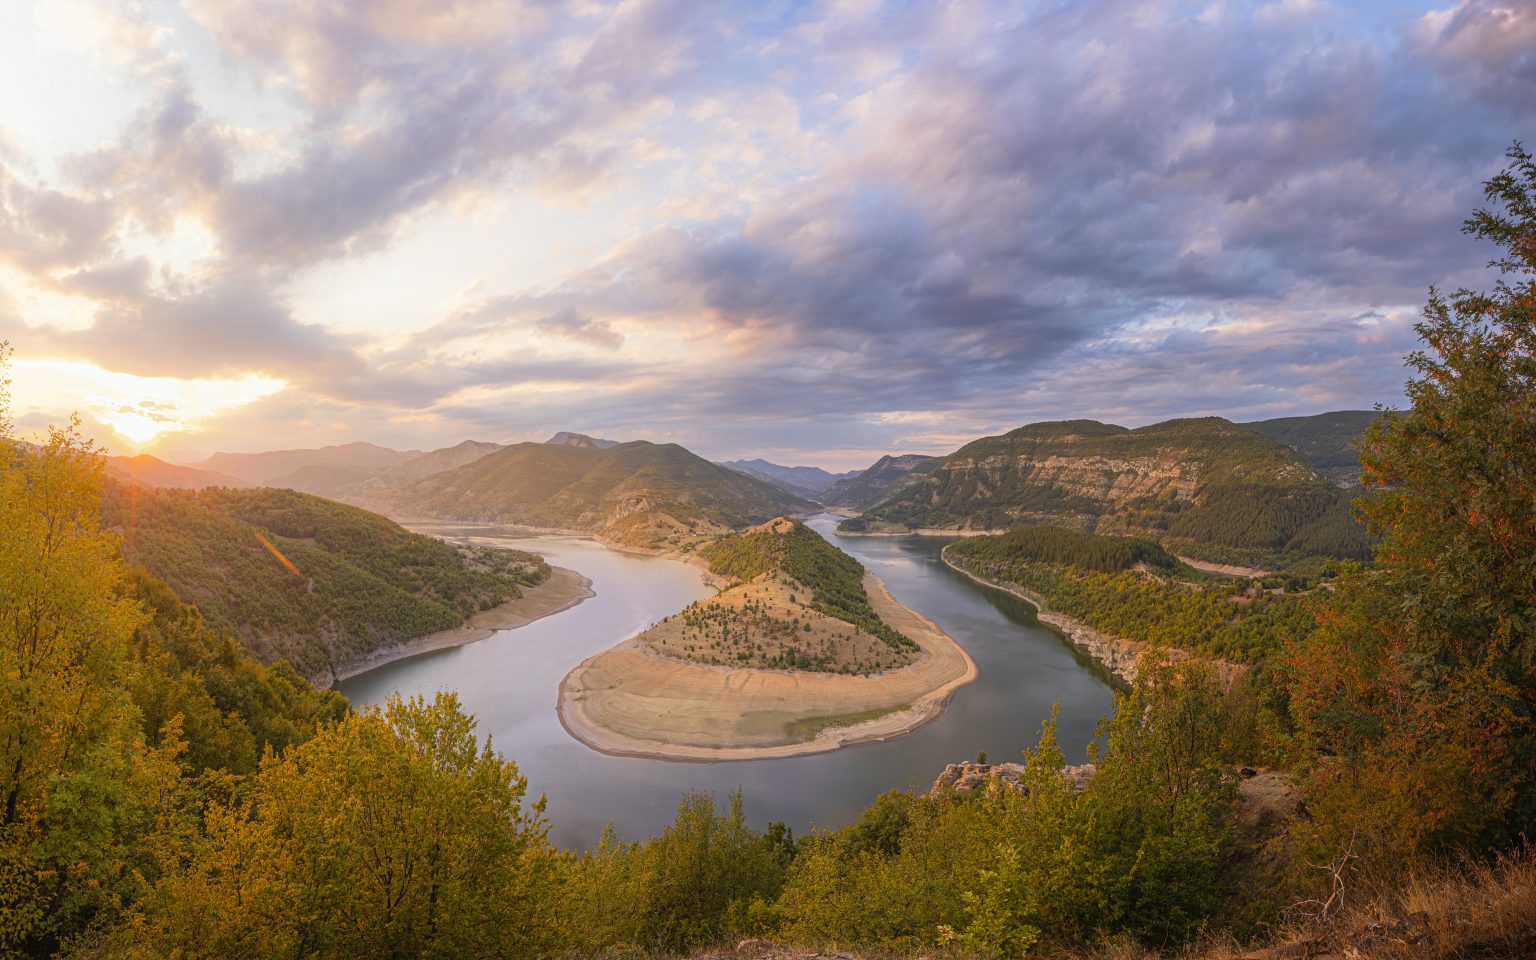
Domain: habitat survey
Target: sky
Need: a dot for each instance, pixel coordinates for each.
(814, 232)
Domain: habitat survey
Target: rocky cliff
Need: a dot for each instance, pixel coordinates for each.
(1207, 481)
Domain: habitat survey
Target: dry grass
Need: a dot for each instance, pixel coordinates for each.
(1469, 911)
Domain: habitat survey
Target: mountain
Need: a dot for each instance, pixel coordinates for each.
(378, 490)
(808, 482)
(1328, 441)
(884, 478)
(567, 439)
(147, 471)
(638, 494)
(1204, 481)
(300, 578)
(264, 469)
(332, 481)
(358, 473)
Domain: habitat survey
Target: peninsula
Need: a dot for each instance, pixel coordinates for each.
(805, 651)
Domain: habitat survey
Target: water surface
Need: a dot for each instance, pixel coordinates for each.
(510, 682)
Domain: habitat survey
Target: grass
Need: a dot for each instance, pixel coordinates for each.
(807, 728)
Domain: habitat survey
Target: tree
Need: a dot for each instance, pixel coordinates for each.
(1416, 695)
(390, 834)
(79, 792)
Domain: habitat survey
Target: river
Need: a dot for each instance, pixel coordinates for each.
(509, 683)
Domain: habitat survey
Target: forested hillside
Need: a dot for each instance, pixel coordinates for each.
(306, 580)
(1203, 483)
(1132, 588)
(639, 494)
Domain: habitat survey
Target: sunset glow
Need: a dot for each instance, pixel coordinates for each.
(139, 409)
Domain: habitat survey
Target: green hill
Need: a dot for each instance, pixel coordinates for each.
(639, 494)
(798, 603)
(308, 580)
(1204, 482)
(1328, 441)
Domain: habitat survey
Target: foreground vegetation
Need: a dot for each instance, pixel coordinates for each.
(137, 821)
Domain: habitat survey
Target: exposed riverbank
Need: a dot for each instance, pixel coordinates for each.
(562, 590)
(1120, 656)
(922, 532)
(631, 701)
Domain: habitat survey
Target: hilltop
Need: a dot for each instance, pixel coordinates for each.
(320, 584)
(884, 478)
(568, 439)
(638, 495)
(1203, 483)
(814, 651)
(797, 602)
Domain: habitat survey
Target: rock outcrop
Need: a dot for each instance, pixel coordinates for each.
(970, 777)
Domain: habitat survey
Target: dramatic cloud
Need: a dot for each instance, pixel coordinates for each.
(832, 230)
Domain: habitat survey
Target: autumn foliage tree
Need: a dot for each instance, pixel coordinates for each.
(80, 793)
(1415, 697)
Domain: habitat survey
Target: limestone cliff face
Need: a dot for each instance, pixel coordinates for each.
(1185, 477)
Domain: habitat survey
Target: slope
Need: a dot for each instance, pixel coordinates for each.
(317, 583)
(1328, 441)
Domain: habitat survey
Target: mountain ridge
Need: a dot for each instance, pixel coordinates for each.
(637, 494)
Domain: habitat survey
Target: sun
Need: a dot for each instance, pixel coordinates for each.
(138, 409)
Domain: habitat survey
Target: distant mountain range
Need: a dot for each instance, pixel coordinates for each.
(807, 482)
(1203, 482)
(640, 495)
(147, 471)
(347, 462)
(1270, 484)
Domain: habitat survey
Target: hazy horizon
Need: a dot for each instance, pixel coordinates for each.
(810, 232)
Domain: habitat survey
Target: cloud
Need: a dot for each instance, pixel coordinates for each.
(572, 326)
(872, 226)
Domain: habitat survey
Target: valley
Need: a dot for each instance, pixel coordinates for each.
(510, 680)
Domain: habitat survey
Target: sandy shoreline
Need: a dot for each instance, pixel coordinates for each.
(564, 589)
(629, 701)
